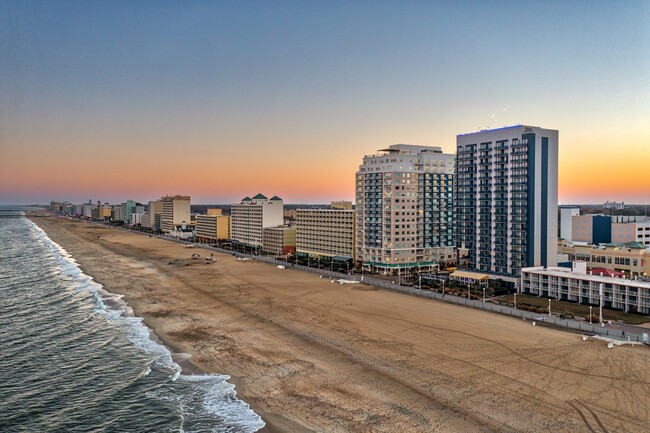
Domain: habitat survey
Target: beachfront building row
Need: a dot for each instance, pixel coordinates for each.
(631, 259)
(404, 208)
(213, 226)
(251, 216)
(175, 210)
(326, 233)
(563, 284)
(506, 199)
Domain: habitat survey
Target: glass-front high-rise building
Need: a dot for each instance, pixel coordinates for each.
(506, 198)
(404, 207)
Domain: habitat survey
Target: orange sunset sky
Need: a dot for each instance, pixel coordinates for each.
(124, 101)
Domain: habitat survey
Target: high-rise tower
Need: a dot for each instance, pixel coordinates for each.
(404, 208)
(506, 198)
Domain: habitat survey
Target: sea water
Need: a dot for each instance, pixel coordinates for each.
(73, 360)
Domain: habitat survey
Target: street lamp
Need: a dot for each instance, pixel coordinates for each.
(483, 294)
(549, 307)
(515, 300)
(601, 303)
(590, 307)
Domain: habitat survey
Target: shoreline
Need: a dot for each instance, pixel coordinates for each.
(180, 352)
(307, 356)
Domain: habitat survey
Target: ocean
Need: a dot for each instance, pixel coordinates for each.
(74, 359)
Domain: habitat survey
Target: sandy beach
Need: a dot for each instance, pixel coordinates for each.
(308, 355)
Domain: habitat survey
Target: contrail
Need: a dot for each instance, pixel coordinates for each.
(492, 117)
(507, 106)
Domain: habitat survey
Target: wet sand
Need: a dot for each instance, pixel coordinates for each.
(308, 355)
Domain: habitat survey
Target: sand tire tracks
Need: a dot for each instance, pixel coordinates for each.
(576, 405)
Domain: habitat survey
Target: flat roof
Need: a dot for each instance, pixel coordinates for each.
(496, 129)
(597, 278)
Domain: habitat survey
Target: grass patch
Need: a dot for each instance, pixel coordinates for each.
(577, 310)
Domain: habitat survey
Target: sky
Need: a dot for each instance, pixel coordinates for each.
(223, 99)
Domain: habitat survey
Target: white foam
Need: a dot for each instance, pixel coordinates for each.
(216, 397)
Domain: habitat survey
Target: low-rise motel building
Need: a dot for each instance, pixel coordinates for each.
(575, 284)
(174, 212)
(213, 226)
(327, 233)
(251, 216)
(279, 241)
(631, 258)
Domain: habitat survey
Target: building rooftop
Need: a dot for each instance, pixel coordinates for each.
(411, 149)
(635, 245)
(275, 198)
(567, 273)
(496, 129)
(606, 272)
(260, 196)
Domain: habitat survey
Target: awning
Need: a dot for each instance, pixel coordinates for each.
(342, 259)
(470, 275)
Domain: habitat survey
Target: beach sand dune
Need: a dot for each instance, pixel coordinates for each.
(308, 355)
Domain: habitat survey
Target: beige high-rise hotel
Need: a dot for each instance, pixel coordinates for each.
(404, 208)
(326, 232)
(175, 211)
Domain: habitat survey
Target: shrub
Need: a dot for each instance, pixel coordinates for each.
(594, 318)
(542, 310)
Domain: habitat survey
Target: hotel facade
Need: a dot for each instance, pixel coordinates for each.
(506, 199)
(251, 216)
(326, 232)
(175, 210)
(279, 241)
(631, 259)
(404, 208)
(629, 295)
(213, 226)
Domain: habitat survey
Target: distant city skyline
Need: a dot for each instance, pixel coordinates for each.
(114, 101)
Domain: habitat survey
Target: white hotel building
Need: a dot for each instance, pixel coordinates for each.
(249, 217)
(506, 199)
(565, 285)
(404, 208)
